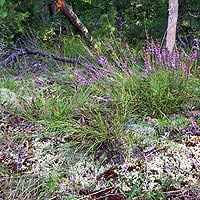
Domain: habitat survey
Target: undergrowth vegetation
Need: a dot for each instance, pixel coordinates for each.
(118, 101)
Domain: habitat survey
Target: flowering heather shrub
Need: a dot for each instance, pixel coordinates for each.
(113, 58)
(94, 73)
(108, 61)
(155, 56)
(164, 89)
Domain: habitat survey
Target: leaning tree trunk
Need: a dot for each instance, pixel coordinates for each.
(172, 23)
(74, 20)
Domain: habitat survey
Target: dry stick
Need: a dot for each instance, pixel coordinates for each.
(28, 51)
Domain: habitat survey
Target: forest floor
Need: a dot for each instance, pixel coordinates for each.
(40, 160)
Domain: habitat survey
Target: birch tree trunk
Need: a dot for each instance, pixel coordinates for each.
(172, 23)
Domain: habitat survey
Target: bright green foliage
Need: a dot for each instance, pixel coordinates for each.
(2, 2)
(3, 12)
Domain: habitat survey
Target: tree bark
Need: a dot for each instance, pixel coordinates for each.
(172, 23)
(74, 20)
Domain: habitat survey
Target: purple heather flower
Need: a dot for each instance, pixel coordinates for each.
(148, 67)
(164, 53)
(133, 61)
(93, 70)
(105, 70)
(159, 57)
(82, 80)
(124, 66)
(126, 58)
(185, 68)
(102, 61)
(155, 56)
(89, 65)
(124, 168)
(118, 64)
(94, 79)
(193, 123)
(150, 49)
(111, 47)
(151, 120)
(156, 50)
(176, 55)
(193, 56)
(173, 64)
(127, 47)
(194, 162)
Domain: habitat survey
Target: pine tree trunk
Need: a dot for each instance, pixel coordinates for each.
(172, 23)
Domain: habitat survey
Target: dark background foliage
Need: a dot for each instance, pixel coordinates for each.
(126, 19)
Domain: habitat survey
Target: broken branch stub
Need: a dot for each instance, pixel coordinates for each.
(74, 20)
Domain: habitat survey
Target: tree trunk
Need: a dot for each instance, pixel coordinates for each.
(74, 20)
(172, 23)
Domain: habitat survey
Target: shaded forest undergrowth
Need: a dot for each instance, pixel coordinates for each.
(114, 125)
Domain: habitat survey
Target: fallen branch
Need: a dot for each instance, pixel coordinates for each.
(28, 51)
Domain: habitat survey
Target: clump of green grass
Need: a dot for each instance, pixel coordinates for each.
(159, 94)
(97, 128)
